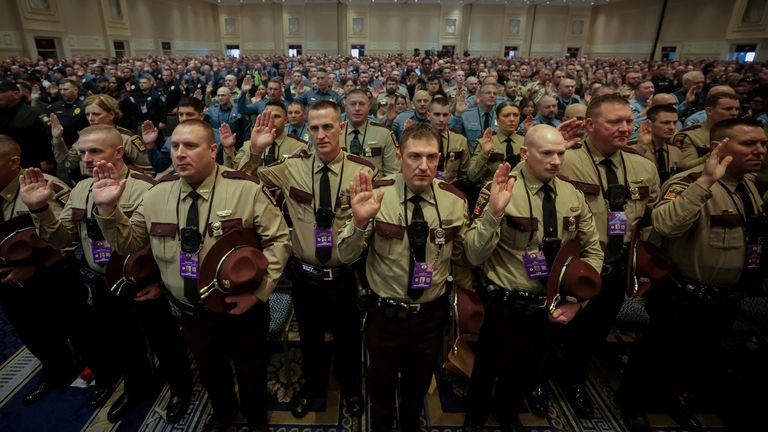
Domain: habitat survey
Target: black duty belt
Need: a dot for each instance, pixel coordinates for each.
(706, 292)
(401, 310)
(320, 273)
(516, 299)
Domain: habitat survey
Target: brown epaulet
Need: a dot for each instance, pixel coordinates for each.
(168, 177)
(297, 138)
(303, 154)
(361, 161)
(452, 189)
(631, 142)
(628, 149)
(124, 131)
(564, 177)
(56, 187)
(454, 131)
(372, 123)
(692, 177)
(144, 177)
(381, 183)
(690, 128)
(239, 175)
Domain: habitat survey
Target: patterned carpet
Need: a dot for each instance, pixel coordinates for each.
(66, 410)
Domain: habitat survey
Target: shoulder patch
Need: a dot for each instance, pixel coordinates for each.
(674, 190)
(452, 189)
(168, 177)
(137, 141)
(144, 177)
(63, 198)
(690, 128)
(239, 175)
(56, 187)
(361, 161)
(678, 140)
(381, 183)
(271, 198)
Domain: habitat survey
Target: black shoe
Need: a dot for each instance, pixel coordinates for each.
(100, 394)
(212, 425)
(176, 409)
(301, 403)
(355, 404)
(37, 392)
(581, 402)
(121, 407)
(683, 416)
(538, 401)
(636, 422)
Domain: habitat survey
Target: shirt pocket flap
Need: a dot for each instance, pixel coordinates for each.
(524, 224)
(390, 231)
(163, 229)
(300, 196)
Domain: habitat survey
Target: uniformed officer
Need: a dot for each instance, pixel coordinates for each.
(620, 188)
(497, 148)
(367, 139)
(170, 91)
(189, 108)
(323, 91)
(101, 109)
(69, 111)
(250, 157)
(220, 200)
(414, 229)
(297, 122)
(694, 141)
(476, 120)
(419, 114)
(454, 151)
(391, 90)
(653, 141)
(714, 228)
(121, 327)
(34, 293)
(522, 218)
(323, 287)
(224, 112)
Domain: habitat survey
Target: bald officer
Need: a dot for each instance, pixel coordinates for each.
(121, 327)
(203, 202)
(620, 188)
(413, 226)
(523, 216)
(323, 288)
(367, 139)
(282, 146)
(454, 150)
(713, 223)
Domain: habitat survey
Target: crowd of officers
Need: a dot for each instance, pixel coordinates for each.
(377, 216)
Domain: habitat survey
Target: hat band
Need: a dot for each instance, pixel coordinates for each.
(14, 233)
(214, 285)
(560, 277)
(635, 284)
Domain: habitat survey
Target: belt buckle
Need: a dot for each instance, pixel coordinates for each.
(606, 269)
(414, 307)
(542, 302)
(327, 274)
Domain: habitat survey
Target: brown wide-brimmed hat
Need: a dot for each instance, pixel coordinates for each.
(571, 279)
(19, 241)
(646, 262)
(127, 275)
(468, 310)
(234, 265)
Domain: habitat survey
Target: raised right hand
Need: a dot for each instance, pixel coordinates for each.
(247, 84)
(227, 138)
(57, 130)
(107, 187)
(35, 192)
(501, 190)
(365, 202)
(149, 133)
(263, 133)
(715, 165)
(487, 141)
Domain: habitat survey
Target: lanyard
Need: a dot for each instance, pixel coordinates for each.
(530, 208)
(338, 188)
(210, 206)
(604, 191)
(437, 210)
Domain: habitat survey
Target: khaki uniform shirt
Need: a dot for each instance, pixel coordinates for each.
(672, 155)
(693, 142)
(481, 167)
(135, 154)
(235, 201)
(642, 180)
(455, 152)
(298, 178)
(389, 252)
(247, 162)
(68, 229)
(384, 98)
(499, 244)
(704, 229)
(378, 145)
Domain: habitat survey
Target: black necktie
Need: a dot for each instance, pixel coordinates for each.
(418, 245)
(510, 157)
(271, 155)
(323, 254)
(746, 200)
(193, 221)
(486, 121)
(355, 146)
(550, 212)
(615, 242)
(294, 132)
